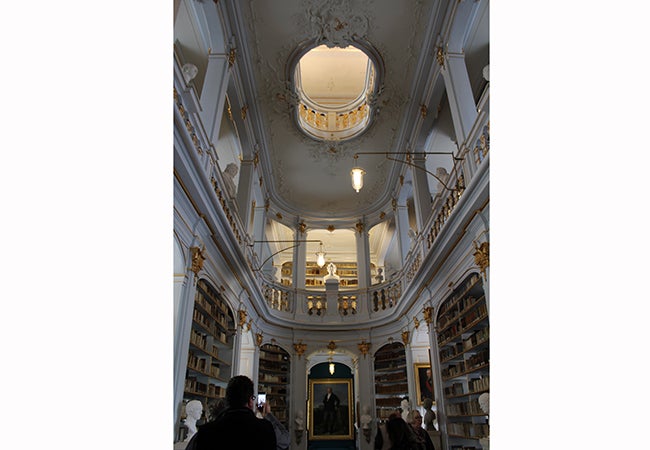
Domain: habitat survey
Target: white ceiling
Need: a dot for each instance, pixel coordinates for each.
(309, 180)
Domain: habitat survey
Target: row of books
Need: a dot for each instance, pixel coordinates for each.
(273, 356)
(479, 359)
(196, 362)
(464, 408)
(212, 295)
(467, 311)
(454, 389)
(265, 377)
(392, 388)
(459, 294)
(390, 401)
(208, 389)
(471, 430)
(478, 337)
(389, 377)
(479, 384)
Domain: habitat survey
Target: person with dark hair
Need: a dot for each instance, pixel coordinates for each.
(236, 426)
(402, 436)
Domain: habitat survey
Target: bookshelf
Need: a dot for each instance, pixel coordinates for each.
(274, 379)
(314, 275)
(209, 362)
(462, 333)
(391, 384)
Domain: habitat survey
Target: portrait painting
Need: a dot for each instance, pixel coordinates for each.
(331, 411)
(423, 382)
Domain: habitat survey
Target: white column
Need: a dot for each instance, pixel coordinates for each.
(298, 400)
(402, 228)
(299, 261)
(366, 396)
(182, 339)
(245, 191)
(421, 193)
(363, 257)
(459, 93)
(213, 94)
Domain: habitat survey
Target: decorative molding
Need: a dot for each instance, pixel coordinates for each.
(482, 256)
(364, 347)
(299, 348)
(197, 260)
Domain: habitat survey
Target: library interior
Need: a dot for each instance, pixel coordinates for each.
(331, 215)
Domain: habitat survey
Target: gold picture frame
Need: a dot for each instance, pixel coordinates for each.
(423, 383)
(336, 424)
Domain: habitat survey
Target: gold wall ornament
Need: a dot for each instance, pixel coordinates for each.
(440, 56)
(242, 318)
(393, 202)
(244, 110)
(279, 216)
(405, 337)
(423, 111)
(382, 215)
(401, 180)
(300, 348)
(331, 346)
(302, 227)
(330, 228)
(359, 226)
(428, 314)
(416, 322)
(197, 260)
(231, 56)
(364, 347)
(259, 337)
(249, 325)
(482, 256)
(267, 203)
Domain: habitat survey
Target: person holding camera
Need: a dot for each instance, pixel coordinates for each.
(236, 426)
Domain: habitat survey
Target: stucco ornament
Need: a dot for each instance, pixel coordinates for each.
(334, 24)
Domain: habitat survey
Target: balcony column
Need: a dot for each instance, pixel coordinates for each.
(459, 92)
(298, 400)
(245, 191)
(402, 229)
(299, 261)
(363, 255)
(421, 193)
(366, 398)
(213, 94)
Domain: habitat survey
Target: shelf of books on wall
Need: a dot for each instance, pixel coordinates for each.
(462, 331)
(209, 359)
(274, 378)
(347, 273)
(391, 384)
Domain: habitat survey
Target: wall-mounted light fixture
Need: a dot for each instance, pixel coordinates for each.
(357, 172)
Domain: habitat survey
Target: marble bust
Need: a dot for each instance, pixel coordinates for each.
(193, 409)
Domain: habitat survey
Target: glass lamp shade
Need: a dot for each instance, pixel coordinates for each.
(357, 174)
(320, 258)
(331, 368)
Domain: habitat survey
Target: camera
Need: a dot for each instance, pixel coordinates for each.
(261, 399)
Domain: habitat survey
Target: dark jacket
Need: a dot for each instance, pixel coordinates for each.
(236, 429)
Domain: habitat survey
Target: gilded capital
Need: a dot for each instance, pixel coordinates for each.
(302, 227)
(231, 57)
(440, 56)
(482, 256)
(197, 260)
(259, 337)
(364, 347)
(300, 348)
(428, 314)
(405, 337)
(359, 226)
(242, 318)
(416, 322)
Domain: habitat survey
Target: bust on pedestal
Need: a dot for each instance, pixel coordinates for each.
(193, 410)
